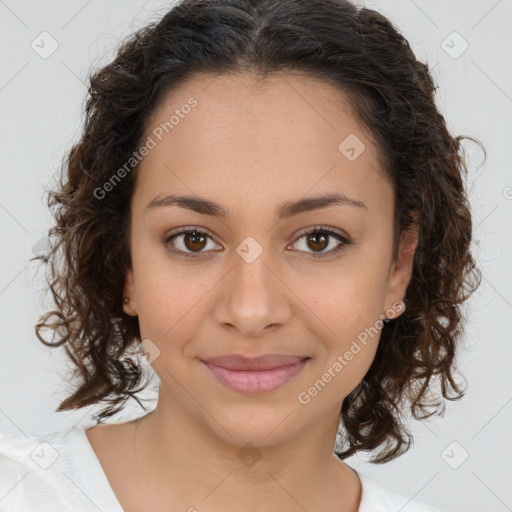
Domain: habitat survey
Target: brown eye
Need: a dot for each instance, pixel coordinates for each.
(194, 241)
(319, 239)
(188, 242)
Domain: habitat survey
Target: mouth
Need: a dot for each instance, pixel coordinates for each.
(255, 374)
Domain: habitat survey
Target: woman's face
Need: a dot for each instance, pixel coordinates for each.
(254, 158)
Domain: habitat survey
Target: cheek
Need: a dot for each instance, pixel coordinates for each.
(170, 306)
(346, 299)
(347, 319)
(169, 296)
(169, 316)
(349, 345)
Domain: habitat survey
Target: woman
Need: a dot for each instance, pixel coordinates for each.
(267, 200)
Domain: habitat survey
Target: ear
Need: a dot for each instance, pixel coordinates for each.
(129, 308)
(401, 271)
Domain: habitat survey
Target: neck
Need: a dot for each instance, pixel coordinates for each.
(184, 462)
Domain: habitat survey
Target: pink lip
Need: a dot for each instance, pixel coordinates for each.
(255, 374)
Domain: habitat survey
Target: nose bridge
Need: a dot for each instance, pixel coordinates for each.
(252, 298)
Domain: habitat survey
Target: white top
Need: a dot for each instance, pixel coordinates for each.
(60, 472)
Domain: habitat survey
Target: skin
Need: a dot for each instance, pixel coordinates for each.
(250, 145)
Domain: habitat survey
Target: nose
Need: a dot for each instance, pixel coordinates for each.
(253, 299)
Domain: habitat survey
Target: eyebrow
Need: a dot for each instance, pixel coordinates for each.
(285, 210)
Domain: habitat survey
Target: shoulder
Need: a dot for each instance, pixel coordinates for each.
(55, 471)
(377, 498)
(30, 467)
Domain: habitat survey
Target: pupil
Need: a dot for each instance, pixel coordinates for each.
(313, 238)
(318, 241)
(194, 237)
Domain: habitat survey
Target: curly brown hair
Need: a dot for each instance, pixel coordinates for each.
(358, 51)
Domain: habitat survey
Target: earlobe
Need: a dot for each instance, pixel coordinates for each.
(129, 297)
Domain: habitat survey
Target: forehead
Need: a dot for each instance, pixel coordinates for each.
(281, 136)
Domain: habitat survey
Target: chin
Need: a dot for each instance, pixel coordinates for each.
(260, 426)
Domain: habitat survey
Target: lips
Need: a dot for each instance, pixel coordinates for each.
(264, 362)
(253, 375)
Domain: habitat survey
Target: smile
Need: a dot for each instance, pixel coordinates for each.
(256, 381)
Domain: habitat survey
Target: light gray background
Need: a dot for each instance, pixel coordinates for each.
(41, 102)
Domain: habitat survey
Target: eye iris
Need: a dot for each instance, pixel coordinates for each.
(194, 237)
(315, 237)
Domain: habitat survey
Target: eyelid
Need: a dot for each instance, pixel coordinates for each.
(343, 239)
(186, 230)
(324, 229)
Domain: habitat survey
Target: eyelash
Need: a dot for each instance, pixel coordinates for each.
(344, 242)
